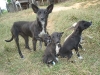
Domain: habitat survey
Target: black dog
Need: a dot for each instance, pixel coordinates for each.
(46, 39)
(74, 26)
(33, 29)
(72, 42)
(52, 49)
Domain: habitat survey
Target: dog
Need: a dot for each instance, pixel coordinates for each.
(72, 42)
(52, 49)
(34, 29)
(46, 39)
(74, 26)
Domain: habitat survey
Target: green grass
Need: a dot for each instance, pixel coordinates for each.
(31, 64)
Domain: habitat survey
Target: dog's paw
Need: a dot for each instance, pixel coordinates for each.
(80, 57)
(73, 52)
(73, 61)
(53, 63)
(84, 49)
(22, 56)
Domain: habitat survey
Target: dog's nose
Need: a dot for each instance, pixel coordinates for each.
(91, 22)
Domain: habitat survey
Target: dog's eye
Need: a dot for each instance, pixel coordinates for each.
(45, 12)
(39, 12)
(58, 35)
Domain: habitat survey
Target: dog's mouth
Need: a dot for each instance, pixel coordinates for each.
(87, 25)
(48, 42)
(42, 21)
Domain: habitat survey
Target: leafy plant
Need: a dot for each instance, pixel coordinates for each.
(8, 1)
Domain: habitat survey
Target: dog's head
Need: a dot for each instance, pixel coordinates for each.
(82, 25)
(42, 14)
(56, 37)
(46, 39)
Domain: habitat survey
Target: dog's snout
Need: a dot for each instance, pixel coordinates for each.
(42, 18)
(48, 41)
(59, 45)
(91, 22)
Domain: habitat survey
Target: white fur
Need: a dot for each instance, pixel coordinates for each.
(80, 57)
(73, 52)
(57, 59)
(53, 63)
(49, 61)
(84, 49)
(81, 39)
(43, 31)
(67, 37)
(74, 24)
(72, 32)
(57, 48)
(17, 3)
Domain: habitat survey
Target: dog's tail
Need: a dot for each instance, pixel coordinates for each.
(9, 40)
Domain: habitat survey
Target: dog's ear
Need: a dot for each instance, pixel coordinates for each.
(49, 8)
(49, 36)
(61, 33)
(35, 8)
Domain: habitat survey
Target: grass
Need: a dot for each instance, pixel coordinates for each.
(31, 64)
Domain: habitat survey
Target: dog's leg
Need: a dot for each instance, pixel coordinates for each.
(34, 44)
(69, 54)
(40, 43)
(80, 57)
(45, 59)
(17, 43)
(27, 42)
(54, 59)
(80, 46)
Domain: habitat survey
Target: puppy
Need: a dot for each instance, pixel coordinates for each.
(74, 26)
(72, 42)
(52, 49)
(46, 39)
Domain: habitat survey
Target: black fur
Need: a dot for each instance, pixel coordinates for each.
(31, 29)
(72, 42)
(50, 54)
